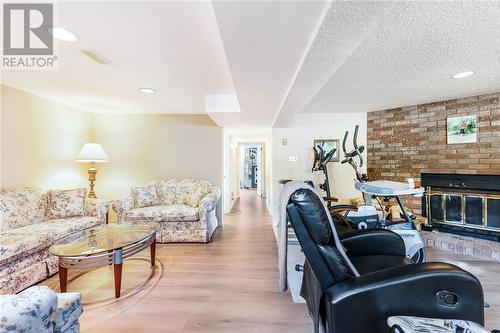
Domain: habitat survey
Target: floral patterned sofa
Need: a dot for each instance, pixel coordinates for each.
(185, 209)
(30, 222)
(40, 310)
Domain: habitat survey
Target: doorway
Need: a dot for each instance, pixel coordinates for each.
(238, 144)
(251, 170)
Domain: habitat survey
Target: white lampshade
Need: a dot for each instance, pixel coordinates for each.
(92, 152)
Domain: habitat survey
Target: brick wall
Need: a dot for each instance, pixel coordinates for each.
(404, 142)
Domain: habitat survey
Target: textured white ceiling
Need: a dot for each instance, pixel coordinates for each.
(406, 56)
(344, 28)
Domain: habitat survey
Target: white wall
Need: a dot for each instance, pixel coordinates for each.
(40, 140)
(300, 135)
(146, 147)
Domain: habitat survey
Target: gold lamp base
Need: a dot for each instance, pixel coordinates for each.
(92, 173)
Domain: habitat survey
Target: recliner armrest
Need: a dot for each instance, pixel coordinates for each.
(342, 207)
(404, 290)
(372, 242)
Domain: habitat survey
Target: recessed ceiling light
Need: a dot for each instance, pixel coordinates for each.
(147, 90)
(462, 75)
(63, 34)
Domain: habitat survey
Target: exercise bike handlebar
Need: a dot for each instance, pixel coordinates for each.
(358, 150)
(355, 138)
(344, 142)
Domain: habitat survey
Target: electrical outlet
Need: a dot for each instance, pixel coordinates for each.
(293, 158)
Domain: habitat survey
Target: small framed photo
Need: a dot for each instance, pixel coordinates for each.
(327, 145)
(462, 129)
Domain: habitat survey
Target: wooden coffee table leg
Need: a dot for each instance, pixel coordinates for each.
(152, 247)
(117, 265)
(63, 278)
(118, 279)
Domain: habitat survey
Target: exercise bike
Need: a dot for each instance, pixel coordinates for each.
(367, 216)
(337, 211)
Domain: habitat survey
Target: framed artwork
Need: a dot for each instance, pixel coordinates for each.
(462, 129)
(328, 145)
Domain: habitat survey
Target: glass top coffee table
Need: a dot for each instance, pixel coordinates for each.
(104, 245)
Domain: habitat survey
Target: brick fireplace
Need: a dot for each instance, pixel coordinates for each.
(406, 142)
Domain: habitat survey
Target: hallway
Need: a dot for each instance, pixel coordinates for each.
(228, 285)
(249, 204)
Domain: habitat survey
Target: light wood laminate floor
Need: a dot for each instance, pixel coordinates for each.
(228, 285)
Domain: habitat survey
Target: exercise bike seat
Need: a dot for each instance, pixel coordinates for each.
(388, 188)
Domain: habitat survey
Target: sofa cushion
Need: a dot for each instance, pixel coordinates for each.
(164, 213)
(144, 196)
(194, 197)
(152, 212)
(66, 203)
(16, 245)
(166, 190)
(36, 237)
(21, 207)
(59, 228)
(184, 187)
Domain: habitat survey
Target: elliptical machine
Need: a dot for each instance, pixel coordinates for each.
(367, 217)
(321, 159)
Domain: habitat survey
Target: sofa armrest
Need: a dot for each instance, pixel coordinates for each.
(436, 290)
(32, 310)
(372, 242)
(209, 203)
(98, 208)
(122, 206)
(69, 309)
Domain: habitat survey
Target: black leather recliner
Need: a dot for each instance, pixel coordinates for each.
(352, 284)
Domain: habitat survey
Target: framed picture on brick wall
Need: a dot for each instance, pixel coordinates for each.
(462, 129)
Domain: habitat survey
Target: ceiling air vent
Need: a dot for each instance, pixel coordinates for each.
(92, 54)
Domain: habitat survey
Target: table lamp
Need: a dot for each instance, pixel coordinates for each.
(93, 153)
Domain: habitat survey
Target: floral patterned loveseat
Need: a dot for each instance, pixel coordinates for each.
(30, 222)
(185, 209)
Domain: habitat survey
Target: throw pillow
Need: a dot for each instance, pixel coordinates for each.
(166, 190)
(194, 198)
(21, 207)
(183, 189)
(144, 196)
(66, 203)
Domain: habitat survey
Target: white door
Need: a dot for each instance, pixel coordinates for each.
(260, 171)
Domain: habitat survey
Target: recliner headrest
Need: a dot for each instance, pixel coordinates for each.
(313, 215)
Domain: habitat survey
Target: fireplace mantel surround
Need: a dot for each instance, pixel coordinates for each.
(462, 203)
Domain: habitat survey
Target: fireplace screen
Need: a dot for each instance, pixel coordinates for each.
(468, 209)
(493, 212)
(453, 208)
(474, 210)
